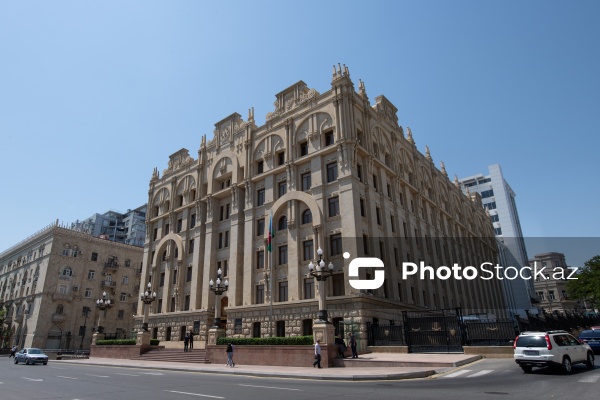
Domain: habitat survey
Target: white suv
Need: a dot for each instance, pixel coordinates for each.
(551, 348)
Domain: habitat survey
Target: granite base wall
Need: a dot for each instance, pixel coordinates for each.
(284, 356)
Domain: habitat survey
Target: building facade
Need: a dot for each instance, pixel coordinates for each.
(128, 228)
(49, 284)
(330, 171)
(551, 290)
(499, 200)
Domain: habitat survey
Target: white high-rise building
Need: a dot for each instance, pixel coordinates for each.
(499, 199)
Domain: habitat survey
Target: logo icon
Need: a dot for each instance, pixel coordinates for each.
(366, 262)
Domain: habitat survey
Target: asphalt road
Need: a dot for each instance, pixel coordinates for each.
(480, 380)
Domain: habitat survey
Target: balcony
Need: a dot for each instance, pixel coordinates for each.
(58, 317)
(112, 265)
(108, 284)
(62, 296)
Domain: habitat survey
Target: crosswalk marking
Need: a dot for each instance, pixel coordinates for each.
(480, 373)
(457, 373)
(590, 378)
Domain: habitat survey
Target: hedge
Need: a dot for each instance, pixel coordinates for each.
(124, 342)
(271, 341)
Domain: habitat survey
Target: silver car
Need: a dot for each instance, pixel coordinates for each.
(31, 355)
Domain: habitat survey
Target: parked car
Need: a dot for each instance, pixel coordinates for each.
(592, 338)
(595, 328)
(550, 349)
(31, 355)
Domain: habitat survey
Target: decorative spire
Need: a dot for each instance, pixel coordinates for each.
(361, 89)
(428, 154)
(251, 115)
(409, 136)
(155, 174)
(456, 182)
(443, 169)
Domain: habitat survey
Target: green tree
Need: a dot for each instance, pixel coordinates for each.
(587, 284)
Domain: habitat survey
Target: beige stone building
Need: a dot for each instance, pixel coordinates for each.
(49, 284)
(551, 290)
(335, 172)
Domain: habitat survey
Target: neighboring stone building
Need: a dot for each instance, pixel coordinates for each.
(334, 172)
(499, 200)
(50, 281)
(552, 292)
(128, 228)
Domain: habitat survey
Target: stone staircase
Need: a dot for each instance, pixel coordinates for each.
(197, 356)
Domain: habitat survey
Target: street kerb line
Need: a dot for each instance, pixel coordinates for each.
(195, 394)
(269, 387)
(480, 373)
(66, 377)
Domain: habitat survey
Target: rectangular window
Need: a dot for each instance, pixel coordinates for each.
(309, 288)
(94, 256)
(308, 250)
(396, 256)
(162, 279)
(260, 227)
(121, 314)
(393, 223)
(334, 206)
(260, 197)
(335, 242)
(189, 274)
(220, 244)
(280, 328)
(186, 305)
(389, 190)
(332, 172)
(280, 158)
(179, 225)
(193, 221)
(88, 292)
(85, 311)
(123, 297)
(221, 212)
(366, 244)
(166, 230)
(283, 291)
(283, 255)
(125, 280)
(172, 309)
(337, 281)
(191, 246)
(174, 278)
(260, 259)
(159, 306)
(362, 208)
(225, 270)
(487, 193)
(306, 181)
(91, 274)
(378, 215)
(495, 218)
(62, 289)
(375, 181)
(282, 188)
(226, 242)
(303, 149)
(260, 167)
(260, 294)
(227, 210)
(359, 172)
(329, 139)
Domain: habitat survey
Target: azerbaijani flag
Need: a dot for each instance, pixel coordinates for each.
(271, 232)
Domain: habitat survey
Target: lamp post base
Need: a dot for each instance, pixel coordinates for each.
(97, 336)
(322, 317)
(143, 338)
(214, 333)
(324, 331)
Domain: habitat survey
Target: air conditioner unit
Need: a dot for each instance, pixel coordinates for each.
(75, 288)
(103, 274)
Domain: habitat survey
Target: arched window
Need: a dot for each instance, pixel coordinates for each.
(307, 217)
(282, 223)
(60, 309)
(67, 271)
(164, 255)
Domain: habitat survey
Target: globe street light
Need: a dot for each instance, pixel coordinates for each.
(218, 290)
(321, 273)
(102, 304)
(147, 298)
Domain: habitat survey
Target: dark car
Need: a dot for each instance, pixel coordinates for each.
(30, 355)
(592, 338)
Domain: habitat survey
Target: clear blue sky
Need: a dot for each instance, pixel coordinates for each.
(94, 95)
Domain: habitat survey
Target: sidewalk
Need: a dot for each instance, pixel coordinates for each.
(421, 366)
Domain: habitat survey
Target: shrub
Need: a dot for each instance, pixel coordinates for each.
(154, 342)
(119, 342)
(271, 341)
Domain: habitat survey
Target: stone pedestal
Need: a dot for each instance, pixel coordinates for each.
(324, 331)
(97, 336)
(143, 338)
(215, 333)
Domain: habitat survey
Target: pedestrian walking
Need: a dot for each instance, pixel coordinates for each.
(339, 342)
(186, 342)
(191, 346)
(352, 342)
(13, 351)
(229, 352)
(317, 354)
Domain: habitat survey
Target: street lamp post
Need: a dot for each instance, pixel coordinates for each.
(87, 313)
(25, 315)
(102, 304)
(147, 298)
(320, 273)
(218, 290)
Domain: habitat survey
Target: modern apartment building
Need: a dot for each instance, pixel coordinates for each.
(499, 201)
(128, 228)
(331, 171)
(49, 284)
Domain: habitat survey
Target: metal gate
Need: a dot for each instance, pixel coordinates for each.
(434, 331)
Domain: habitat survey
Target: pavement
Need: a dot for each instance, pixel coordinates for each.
(416, 366)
